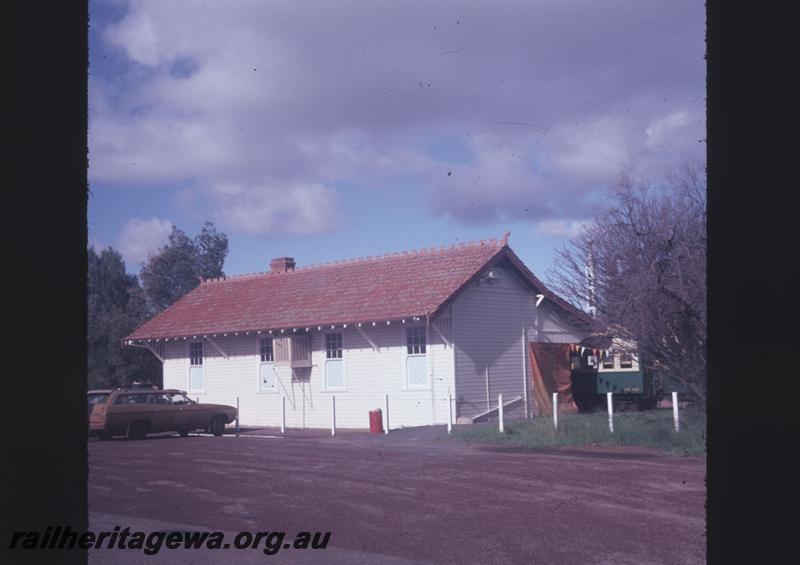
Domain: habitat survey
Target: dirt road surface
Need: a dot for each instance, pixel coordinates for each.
(407, 497)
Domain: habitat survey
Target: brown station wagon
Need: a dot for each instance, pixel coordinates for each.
(137, 412)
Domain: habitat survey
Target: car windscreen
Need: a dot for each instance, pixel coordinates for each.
(98, 398)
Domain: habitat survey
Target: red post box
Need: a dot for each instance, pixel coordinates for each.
(375, 421)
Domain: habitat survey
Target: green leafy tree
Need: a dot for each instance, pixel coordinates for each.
(116, 306)
(177, 267)
(212, 248)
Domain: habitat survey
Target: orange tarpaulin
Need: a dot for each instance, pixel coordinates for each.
(551, 372)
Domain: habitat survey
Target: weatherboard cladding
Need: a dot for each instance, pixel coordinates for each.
(369, 376)
(391, 287)
(488, 338)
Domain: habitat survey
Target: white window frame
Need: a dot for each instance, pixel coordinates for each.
(189, 388)
(631, 360)
(259, 364)
(325, 387)
(406, 355)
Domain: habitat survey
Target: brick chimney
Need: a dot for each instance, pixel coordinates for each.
(281, 264)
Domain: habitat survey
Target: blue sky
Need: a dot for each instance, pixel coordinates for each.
(346, 129)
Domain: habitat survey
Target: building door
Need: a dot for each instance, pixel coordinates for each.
(267, 376)
(334, 363)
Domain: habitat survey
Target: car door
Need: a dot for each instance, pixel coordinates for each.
(188, 414)
(161, 412)
(128, 407)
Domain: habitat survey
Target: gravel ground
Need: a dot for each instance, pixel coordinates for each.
(406, 497)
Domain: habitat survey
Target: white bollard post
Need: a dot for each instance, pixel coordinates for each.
(333, 415)
(283, 414)
(555, 410)
(500, 411)
(610, 412)
(386, 431)
(675, 411)
(449, 413)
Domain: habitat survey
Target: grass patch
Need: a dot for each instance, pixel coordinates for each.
(653, 428)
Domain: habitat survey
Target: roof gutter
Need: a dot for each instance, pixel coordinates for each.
(291, 330)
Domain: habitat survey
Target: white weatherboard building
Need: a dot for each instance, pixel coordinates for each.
(422, 327)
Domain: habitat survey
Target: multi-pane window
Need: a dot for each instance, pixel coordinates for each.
(626, 361)
(608, 361)
(196, 369)
(415, 341)
(267, 377)
(334, 364)
(333, 346)
(266, 350)
(416, 358)
(196, 353)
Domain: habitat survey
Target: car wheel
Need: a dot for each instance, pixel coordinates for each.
(218, 425)
(138, 430)
(104, 435)
(183, 433)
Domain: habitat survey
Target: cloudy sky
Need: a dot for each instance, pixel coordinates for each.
(331, 130)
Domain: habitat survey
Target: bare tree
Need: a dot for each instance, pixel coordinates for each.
(640, 267)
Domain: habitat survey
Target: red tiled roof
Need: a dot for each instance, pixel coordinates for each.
(389, 287)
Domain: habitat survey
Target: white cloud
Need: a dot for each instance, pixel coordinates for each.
(97, 244)
(141, 237)
(138, 35)
(595, 150)
(306, 94)
(561, 228)
(662, 130)
(302, 209)
(157, 148)
(500, 184)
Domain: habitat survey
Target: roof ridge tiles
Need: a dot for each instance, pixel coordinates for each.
(405, 253)
(389, 255)
(238, 277)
